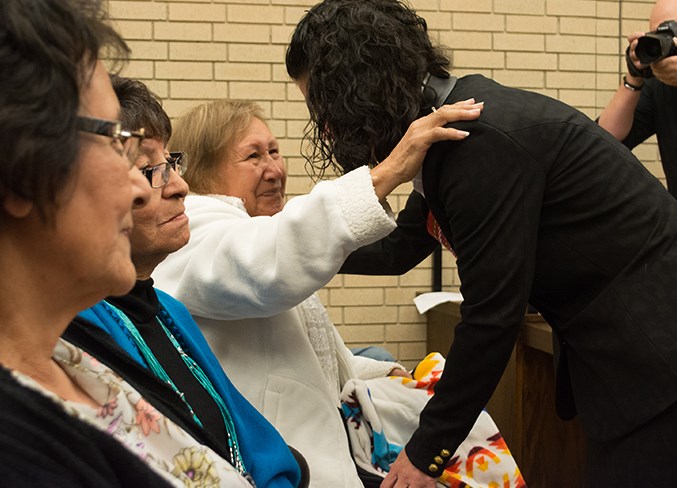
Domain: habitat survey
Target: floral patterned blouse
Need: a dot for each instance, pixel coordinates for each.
(125, 415)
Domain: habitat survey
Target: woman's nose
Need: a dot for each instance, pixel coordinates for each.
(140, 188)
(176, 185)
(275, 169)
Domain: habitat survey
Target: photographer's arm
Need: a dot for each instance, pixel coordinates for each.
(617, 116)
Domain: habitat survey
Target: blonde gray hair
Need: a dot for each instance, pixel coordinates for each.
(206, 133)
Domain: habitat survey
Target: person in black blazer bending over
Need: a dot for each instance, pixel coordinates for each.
(540, 206)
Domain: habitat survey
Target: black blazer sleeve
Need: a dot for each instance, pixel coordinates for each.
(487, 196)
(401, 250)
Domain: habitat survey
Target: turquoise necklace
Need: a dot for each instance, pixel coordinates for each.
(198, 373)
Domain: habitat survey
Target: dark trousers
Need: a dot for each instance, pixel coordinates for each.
(646, 457)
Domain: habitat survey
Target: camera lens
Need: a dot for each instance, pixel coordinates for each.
(648, 49)
(654, 47)
(657, 45)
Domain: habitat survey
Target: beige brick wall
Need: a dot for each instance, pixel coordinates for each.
(189, 51)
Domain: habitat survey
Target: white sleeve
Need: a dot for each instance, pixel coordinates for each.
(364, 368)
(235, 266)
(368, 368)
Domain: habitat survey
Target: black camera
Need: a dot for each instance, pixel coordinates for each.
(657, 45)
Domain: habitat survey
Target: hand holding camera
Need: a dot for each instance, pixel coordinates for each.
(665, 70)
(657, 45)
(650, 48)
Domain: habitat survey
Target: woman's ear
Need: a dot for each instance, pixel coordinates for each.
(16, 206)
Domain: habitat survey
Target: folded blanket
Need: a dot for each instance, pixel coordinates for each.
(382, 413)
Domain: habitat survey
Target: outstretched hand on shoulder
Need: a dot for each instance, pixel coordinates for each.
(406, 159)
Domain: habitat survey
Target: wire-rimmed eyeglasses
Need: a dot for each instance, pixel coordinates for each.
(125, 142)
(158, 175)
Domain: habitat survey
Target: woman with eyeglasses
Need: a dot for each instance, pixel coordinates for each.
(158, 332)
(67, 190)
(77, 410)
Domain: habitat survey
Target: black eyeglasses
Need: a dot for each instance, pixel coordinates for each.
(125, 142)
(158, 175)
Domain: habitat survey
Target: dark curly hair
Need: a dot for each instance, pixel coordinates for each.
(48, 51)
(141, 108)
(363, 63)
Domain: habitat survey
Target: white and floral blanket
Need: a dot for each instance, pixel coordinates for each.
(382, 413)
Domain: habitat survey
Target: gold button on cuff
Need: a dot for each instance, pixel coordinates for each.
(438, 460)
(433, 468)
(445, 453)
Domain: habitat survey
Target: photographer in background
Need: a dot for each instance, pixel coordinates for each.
(645, 102)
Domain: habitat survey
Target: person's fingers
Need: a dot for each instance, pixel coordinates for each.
(452, 113)
(446, 134)
(634, 36)
(448, 114)
(459, 109)
(429, 129)
(389, 481)
(424, 132)
(470, 113)
(469, 101)
(632, 39)
(400, 372)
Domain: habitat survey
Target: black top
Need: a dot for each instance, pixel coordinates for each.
(141, 305)
(656, 113)
(42, 445)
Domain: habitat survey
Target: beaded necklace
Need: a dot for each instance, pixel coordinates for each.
(197, 372)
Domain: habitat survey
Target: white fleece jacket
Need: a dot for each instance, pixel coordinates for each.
(250, 283)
